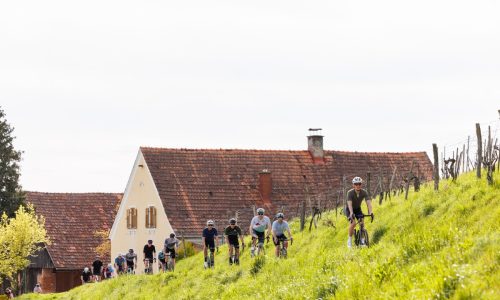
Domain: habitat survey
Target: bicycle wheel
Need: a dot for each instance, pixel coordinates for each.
(364, 236)
(356, 237)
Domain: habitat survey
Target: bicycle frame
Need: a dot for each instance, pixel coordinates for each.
(362, 230)
(148, 266)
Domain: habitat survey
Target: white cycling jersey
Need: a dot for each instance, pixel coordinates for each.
(260, 225)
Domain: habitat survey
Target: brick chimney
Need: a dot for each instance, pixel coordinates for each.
(315, 145)
(265, 186)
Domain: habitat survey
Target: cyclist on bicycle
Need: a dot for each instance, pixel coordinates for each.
(279, 227)
(232, 232)
(353, 209)
(210, 240)
(131, 259)
(120, 264)
(258, 227)
(170, 246)
(149, 255)
(162, 263)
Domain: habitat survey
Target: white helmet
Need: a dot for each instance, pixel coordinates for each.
(86, 269)
(260, 211)
(357, 180)
(210, 222)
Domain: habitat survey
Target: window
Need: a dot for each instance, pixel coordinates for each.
(151, 217)
(132, 218)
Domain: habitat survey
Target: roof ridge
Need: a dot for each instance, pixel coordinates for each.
(78, 193)
(269, 150)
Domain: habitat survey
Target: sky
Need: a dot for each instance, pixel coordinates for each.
(86, 83)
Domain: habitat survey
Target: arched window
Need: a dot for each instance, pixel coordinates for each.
(132, 218)
(151, 217)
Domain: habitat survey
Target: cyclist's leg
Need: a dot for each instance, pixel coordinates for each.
(277, 246)
(172, 258)
(237, 253)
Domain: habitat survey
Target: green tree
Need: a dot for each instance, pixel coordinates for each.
(20, 237)
(11, 195)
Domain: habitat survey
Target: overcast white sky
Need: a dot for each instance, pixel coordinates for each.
(86, 83)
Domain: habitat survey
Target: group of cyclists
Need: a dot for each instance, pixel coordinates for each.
(261, 229)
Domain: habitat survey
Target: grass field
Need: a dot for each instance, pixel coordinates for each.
(441, 245)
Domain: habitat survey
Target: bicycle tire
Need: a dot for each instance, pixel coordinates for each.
(356, 237)
(366, 238)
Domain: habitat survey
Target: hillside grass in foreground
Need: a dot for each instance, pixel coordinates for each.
(432, 246)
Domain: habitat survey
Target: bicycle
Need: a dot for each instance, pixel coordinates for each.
(361, 237)
(236, 259)
(130, 270)
(148, 266)
(210, 259)
(170, 263)
(259, 249)
(282, 253)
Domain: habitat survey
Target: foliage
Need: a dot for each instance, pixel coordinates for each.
(11, 195)
(435, 245)
(104, 247)
(20, 237)
(187, 247)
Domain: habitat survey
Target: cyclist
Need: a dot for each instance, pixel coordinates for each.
(232, 232)
(258, 227)
(353, 209)
(279, 228)
(131, 259)
(97, 269)
(109, 272)
(210, 240)
(86, 276)
(149, 255)
(171, 244)
(120, 264)
(162, 263)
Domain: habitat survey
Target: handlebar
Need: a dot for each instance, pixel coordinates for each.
(362, 216)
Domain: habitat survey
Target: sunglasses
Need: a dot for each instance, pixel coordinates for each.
(210, 225)
(357, 184)
(260, 214)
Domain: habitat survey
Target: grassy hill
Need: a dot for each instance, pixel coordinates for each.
(433, 245)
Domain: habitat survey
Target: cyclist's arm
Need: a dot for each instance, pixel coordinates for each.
(203, 241)
(269, 229)
(349, 205)
(369, 205)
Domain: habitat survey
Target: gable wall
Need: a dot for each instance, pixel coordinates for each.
(140, 193)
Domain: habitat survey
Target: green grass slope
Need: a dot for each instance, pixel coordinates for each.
(431, 246)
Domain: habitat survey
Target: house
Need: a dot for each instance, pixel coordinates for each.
(71, 219)
(178, 190)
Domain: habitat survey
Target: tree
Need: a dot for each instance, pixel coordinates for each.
(104, 248)
(11, 195)
(20, 238)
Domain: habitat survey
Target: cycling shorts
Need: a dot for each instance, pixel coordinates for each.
(358, 213)
(130, 264)
(170, 252)
(260, 235)
(233, 241)
(210, 244)
(150, 259)
(279, 238)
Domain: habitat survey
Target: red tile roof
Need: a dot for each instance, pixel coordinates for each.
(196, 185)
(70, 220)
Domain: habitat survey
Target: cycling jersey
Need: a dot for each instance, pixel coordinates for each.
(209, 235)
(170, 243)
(148, 251)
(260, 225)
(280, 228)
(232, 231)
(357, 197)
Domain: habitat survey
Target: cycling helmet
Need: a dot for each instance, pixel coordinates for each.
(150, 241)
(130, 250)
(280, 215)
(232, 221)
(260, 211)
(86, 269)
(210, 222)
(172, 235)
(356, 180)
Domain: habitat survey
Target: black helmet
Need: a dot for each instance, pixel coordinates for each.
(150, 241)
(172, 235)
(232, 221)
(131, 250)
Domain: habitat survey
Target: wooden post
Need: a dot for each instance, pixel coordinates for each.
(344, 192)
(254, 211)
(368, 180)
(408, 179)
(381, 187)
(479, 150)
(436, 167)
(302, 215)
(468, 142)
(392, 180)
(183, 244)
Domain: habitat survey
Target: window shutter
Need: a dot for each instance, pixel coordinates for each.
(147, 217)
(134, 218)
(153, 217)
(129, 219)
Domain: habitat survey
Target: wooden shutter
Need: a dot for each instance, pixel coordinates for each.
(147, 217)
(134, 218)
(129, 219)
(153, 217)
